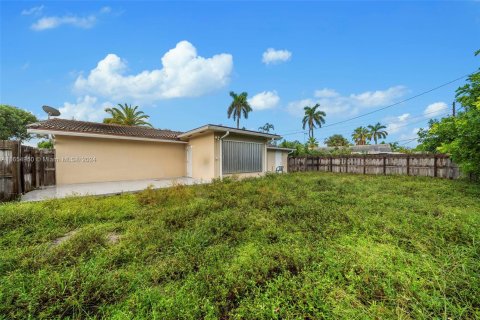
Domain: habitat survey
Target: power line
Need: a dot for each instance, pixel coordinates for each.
(404, 125)
(389, 106)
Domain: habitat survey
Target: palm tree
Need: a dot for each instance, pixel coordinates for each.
(377, 132)
(312, 143)
(238, 107)
(127, 115)
(360, 135)
(266, 127)
(337, 140)
(313, 118)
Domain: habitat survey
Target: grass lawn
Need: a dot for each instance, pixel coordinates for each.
(305, 245)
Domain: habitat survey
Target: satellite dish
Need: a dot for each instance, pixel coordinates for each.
(52, 112)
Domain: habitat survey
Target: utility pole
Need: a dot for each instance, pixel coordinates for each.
(453, 109)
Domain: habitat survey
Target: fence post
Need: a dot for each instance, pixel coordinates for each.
(346, 164)
(408, 165)
(364, 163)
(330, 164)
(384, 165)
(435, 165)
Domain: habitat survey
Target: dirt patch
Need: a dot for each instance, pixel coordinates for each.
(113, 238)
(64, 238)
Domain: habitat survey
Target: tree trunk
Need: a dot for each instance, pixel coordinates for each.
(238, 122)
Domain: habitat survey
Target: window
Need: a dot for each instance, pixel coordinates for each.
(241, 157)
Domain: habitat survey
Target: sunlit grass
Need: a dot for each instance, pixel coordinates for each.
(304, 245)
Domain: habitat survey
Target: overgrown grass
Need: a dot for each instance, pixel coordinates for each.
(303, 245)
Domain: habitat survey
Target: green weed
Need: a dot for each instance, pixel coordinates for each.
(304, 245)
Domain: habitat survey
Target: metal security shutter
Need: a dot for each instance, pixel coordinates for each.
(241, 157)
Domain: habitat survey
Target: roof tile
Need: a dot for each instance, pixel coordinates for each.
(57, 124)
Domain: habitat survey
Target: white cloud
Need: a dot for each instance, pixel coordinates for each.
(404, 117)
(46, 23)
(86, 108)
(296, 107)
(184, 74)
(435, 109)
(33, 11)
(379, 97)
(395, 124)
(334, 103)
(326, 93)
(264, 100)
(276, 56)
(105, 10)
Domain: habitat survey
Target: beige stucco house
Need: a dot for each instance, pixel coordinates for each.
(96, 152)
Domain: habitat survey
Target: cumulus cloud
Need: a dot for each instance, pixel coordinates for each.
(33, 11)
(52, 22)
(276, 56)
(326, 93)
(395, 124)
(183, 74)
(296, 107)
(379, 97)
(264, 100)
(435, 109)
(333, 102)
(86, 108)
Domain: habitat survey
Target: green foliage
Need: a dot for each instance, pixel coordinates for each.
(266, 127)
(465, 148)
(13, 123)
(313, 118)
(337, 140)
(396, 147)
(45, 144)
(238, 107)
(360, 135)
(302, 150)
(376, 132)
(127, 115)
(291, 246)
(438, 132)
(297, 145)
(458, 136)
(469, 94)
(312, 143)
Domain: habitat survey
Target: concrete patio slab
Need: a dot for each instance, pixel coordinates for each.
(103, 188)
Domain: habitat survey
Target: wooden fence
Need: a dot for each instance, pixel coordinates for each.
(427, 165)
(24, 168)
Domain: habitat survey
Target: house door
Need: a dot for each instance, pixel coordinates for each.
(278, 159)
(189, 161)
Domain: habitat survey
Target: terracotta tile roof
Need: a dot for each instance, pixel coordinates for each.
(57, 124)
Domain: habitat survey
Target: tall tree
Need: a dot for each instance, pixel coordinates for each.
(376, 131)
(337, 140)
(266, 127)
(238, 107)
(299, 148)
(360, 135)
(458, 136)
(13, 123)
(127, 115)
(313, 118)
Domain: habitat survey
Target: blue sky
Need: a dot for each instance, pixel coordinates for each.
(179, 60)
